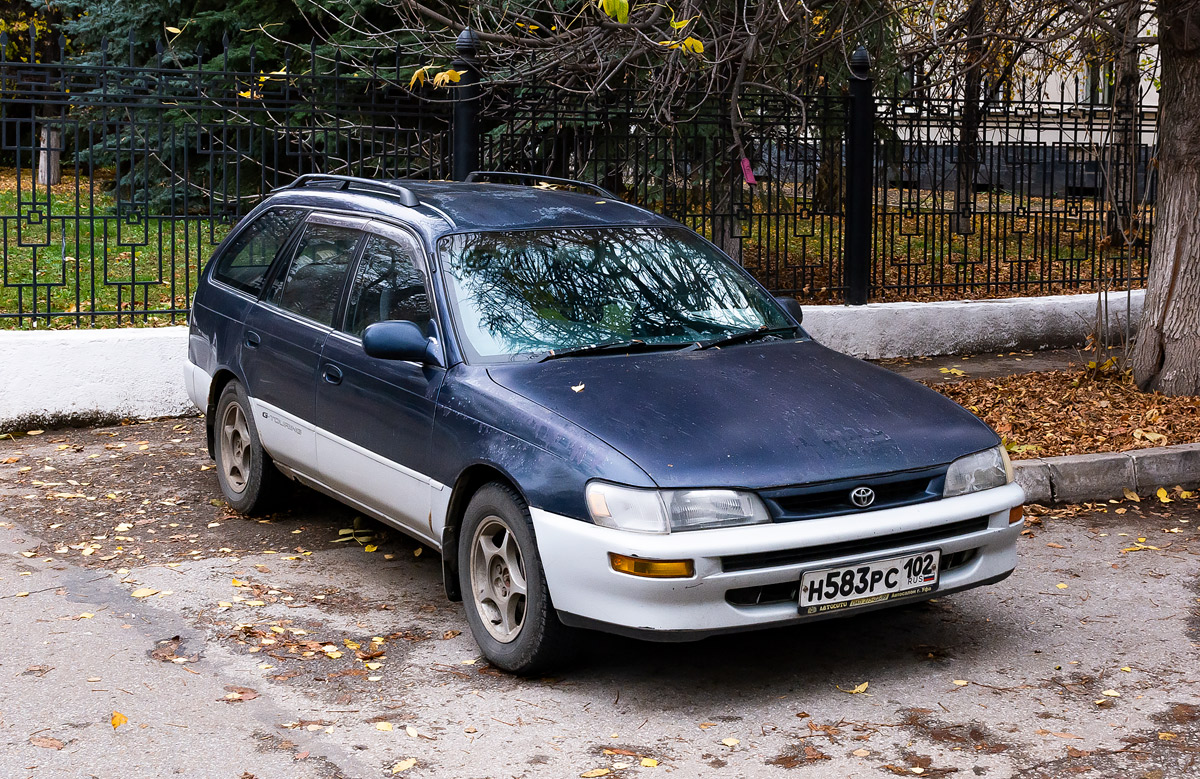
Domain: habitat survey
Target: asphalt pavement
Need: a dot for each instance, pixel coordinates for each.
(232, 647)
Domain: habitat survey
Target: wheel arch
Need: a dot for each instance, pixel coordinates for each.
(222, 377)
(469, 482)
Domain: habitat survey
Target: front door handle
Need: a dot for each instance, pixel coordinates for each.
(252, 340)
(332, 374)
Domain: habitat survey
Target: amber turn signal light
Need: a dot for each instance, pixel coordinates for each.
(1016, 514)
(653, 569)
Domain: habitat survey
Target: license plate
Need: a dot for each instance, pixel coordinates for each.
(830, 589)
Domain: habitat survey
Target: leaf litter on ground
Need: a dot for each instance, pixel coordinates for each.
(1051, 413)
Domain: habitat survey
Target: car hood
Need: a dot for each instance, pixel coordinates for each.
(755, 416)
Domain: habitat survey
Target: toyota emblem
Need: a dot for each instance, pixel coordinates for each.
(862, 496)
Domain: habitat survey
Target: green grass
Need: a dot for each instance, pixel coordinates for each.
(116, 267)
(1036, 246)
(109, 269)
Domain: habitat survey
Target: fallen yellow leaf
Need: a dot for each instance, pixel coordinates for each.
(118, 719)
(730, 742)
(861, 752)
(857, 690)
(649, 762)
(143, 592)
(1162, 495)
(1131, 495)
(370, 548)
(1166, 736)
(1126, 669)
(1111, 693)
(384, 726)
(411, 731)
(961, 682)
(404, 765)
(22, 595)
(595, 772)
(1061, 586)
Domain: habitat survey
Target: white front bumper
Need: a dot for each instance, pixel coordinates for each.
(583, 585)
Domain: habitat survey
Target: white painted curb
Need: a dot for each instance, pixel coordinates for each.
(882, 330)
(60, 376)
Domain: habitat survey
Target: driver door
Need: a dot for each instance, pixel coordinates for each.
(375, 417)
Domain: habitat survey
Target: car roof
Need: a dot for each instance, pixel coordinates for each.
(450, 206)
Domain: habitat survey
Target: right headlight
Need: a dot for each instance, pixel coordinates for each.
(672, 511)
(980, 471)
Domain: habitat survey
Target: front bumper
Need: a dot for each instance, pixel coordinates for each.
(731, 563)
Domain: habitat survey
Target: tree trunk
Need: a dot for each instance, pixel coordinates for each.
(1166, 356)
(726, 229)
(1122, 176)
(49, 167)
(967, 165)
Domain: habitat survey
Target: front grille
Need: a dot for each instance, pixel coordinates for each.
(831, 499)
(808, 554)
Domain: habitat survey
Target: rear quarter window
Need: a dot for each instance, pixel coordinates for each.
(245, 263)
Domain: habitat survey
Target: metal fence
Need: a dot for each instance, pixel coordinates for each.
(121, 178)
(158, 162)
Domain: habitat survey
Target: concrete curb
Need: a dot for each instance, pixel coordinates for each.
(883, 330)
(1101, 476)
(61, 377)
(78, 377)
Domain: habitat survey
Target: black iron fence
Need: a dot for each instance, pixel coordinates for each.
(117, 180)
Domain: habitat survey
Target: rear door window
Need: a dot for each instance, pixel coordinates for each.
(245, 263)
(312, 283)
(389, 284)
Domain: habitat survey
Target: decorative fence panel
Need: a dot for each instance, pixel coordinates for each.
(157, 163)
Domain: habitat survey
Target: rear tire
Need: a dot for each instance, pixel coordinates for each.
(503, 586)
(245, 471)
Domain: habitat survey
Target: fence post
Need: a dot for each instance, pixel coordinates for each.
(860, 172)
(465, 151)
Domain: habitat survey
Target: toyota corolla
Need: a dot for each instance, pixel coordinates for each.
(597, 418)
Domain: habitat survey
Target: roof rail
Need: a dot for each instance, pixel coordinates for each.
(405, 195)
(534, 180)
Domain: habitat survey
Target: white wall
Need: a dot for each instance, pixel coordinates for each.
(881, 330)
(81, 375)
(49, 377)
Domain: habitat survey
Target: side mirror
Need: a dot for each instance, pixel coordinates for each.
(398, 340)
(792, 306)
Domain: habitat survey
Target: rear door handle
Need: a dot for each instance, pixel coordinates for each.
(332, 374)
(252, 340)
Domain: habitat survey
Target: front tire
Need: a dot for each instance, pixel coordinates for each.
(504, 588)
(245, 471)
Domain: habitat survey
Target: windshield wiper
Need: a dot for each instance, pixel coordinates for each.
(630, 345)
(744, 336)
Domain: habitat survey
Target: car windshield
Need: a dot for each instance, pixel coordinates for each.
(524, 293)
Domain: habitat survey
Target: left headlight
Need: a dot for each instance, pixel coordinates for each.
(667, 511)
(980, 471)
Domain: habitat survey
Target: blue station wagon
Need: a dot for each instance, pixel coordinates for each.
(596, 417)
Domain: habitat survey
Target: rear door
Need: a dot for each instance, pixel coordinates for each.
(285, 331)
(375, 417)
